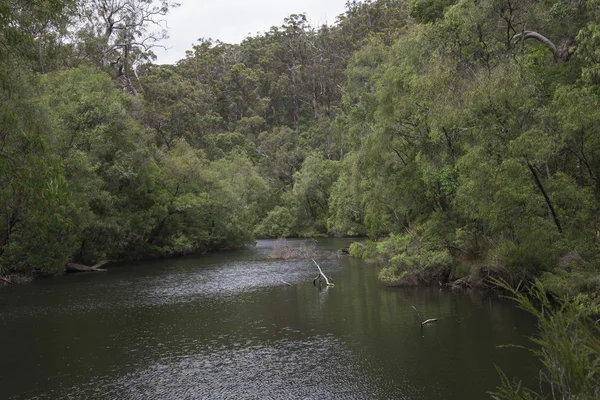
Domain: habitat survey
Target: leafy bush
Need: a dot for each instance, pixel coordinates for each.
(357, 249)
(411, 261)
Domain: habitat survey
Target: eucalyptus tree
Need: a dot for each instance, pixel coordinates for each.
(124, 33)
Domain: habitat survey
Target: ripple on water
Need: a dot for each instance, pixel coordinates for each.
(212, 283)
(318, 367)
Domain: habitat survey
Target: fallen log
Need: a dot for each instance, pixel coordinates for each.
(327, 282)
(73, 267)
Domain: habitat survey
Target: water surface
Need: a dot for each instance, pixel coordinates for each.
(224, 326)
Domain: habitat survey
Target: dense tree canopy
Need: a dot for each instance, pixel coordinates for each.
(463, 135)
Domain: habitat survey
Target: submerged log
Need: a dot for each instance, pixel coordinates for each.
(73, 267)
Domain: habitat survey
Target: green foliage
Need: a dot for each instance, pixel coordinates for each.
(525, 261)
(570, 283)
(279, 222)
(589, 40)
(428, 123)
(357, 249)
(510, 390)
(312, 187)
(428, 10)
(411, 261)
(345, 212)
(462, 271)
(567, 346)
(41, 236)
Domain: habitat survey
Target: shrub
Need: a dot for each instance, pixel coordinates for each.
(410, 261)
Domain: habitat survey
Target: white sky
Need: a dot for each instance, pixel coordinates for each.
(232, 20)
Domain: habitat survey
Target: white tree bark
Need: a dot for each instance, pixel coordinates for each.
(323, 275)
(560, 54)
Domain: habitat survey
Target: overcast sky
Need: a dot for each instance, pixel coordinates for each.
(232, 20)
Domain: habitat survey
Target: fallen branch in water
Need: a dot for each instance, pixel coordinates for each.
(424, 322)
(287, 283)
(322, 275)
(72, 267)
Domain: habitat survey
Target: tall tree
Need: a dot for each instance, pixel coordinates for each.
(126, 31)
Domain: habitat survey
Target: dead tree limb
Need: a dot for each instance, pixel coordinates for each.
(560, 53)
(323, 275)
(424, 322)
(101, 264)
(73, 267)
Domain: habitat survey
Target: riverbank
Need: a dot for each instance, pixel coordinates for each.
(11, 277)
(408, 260)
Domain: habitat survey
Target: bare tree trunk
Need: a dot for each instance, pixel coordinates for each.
(536, 178)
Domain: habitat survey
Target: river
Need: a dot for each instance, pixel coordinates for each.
(224, 326)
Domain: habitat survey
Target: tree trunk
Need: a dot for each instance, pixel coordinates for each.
(538, 183)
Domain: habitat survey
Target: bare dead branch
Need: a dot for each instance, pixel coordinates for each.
(323, 275)
(560, 53)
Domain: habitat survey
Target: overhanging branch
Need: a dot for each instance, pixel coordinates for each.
(560, 53)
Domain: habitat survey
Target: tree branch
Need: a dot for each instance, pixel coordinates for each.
(560, 54)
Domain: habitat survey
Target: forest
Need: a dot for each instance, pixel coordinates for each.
(461, 137)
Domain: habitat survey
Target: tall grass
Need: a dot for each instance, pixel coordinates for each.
(568, 347)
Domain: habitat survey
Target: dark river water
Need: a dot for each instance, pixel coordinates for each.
(224, 326)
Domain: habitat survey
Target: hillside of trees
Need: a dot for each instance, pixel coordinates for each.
(461, 136)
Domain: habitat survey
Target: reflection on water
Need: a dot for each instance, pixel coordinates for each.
(225, 326)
